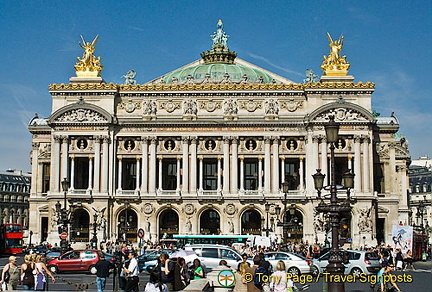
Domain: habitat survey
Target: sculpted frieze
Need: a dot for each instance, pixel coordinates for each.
(271, 107)
(81, 116)
(169, 105)
(129, 106)
(291, 105)
(149, 108)
(210, 105)
(341, 115)
(250, 105)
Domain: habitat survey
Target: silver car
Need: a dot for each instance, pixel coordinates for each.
(294, 263)
(211, 254)
(359, 261)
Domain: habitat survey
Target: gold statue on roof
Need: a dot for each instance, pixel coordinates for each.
(335, 64)
(88, 65)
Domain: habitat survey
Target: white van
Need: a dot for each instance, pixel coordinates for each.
(257, 240)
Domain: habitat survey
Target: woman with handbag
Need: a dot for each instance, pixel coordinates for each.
(11, 274)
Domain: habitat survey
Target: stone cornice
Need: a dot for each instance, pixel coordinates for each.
(211, 87)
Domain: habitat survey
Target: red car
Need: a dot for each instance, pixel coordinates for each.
(78, 260)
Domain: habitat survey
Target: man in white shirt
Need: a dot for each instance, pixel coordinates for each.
(132, 273)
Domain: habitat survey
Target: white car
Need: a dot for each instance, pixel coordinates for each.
(295, 264)
(359, 261)
(211, 254)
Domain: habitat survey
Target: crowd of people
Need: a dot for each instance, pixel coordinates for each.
(32, 274)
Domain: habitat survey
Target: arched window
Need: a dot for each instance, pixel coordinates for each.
(210, 222)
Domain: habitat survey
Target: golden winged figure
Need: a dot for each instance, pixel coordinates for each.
(335, 64)
(88, 63)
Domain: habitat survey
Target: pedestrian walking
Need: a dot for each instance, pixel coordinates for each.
(40, 277)
(11, 274)
(166, 269)
(27, 276)
(132, 273)
(102, 267)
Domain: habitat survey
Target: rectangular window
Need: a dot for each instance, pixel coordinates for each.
(291, 173)
(129, 174)
(251, 174)
(210, 174)
(46, 168)
(169, 174)
(81, 175)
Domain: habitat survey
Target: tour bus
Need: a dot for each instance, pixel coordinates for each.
(210, 239)
(11, 238)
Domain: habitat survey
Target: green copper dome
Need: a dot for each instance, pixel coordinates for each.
(218, 73)
(219, 65)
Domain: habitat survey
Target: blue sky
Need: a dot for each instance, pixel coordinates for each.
(386, 42)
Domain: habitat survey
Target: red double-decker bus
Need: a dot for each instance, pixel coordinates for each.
(11, 238)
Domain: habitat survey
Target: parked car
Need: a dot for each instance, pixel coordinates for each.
(211, 254)
(53, 253)
(295, 264)
(152, 256)
(359, 261)
(78, 260)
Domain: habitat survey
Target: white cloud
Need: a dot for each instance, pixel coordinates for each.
(276, 66)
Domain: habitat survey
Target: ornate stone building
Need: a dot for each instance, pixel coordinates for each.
(14, 197)
(204, 148)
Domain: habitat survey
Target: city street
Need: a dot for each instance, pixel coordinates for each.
(70, 281)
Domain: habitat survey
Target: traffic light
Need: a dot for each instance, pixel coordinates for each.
(343, 231)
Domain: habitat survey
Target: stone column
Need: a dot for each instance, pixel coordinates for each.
(72, 181)
(392, 164)
(275, 176)
(349, 162)
(34, 168)
(267, 166)
(90, 178)
(357, 165)
(96, 180)
(137, 185)
(219, 174)
(242, 174)
(366, 165)
(145, 165)
(315, 152)
(55, 164)
(119, 173)
(324, 167)
(234, 167)
(160, 174)
(64, 157)
(178, 175)
(403, 201)
(201, 174)
(185, 165)
(152, 166)
(260, 174)
(193, 166)
(282, 169)
(226, 166)
(301, 174)
(309, 160)
(105, 164)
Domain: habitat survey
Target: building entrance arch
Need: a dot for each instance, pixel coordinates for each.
(251, 222)
(210, 222)
(294, 229)
(80, 225)
(127, 225)
(168, 223)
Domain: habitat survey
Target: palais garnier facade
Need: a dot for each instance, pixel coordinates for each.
(204, 149)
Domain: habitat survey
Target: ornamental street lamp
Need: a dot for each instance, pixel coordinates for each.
(268, 229)
(94, 240)
(62, 215)
(334, 208)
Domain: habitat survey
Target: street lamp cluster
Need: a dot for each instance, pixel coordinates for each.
(335, 209)
(65, 218)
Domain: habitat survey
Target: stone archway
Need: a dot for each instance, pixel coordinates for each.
(127, 225)
(295, 225)
(168, 223)
(80, 225)
(251, 222)
(210, 222)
